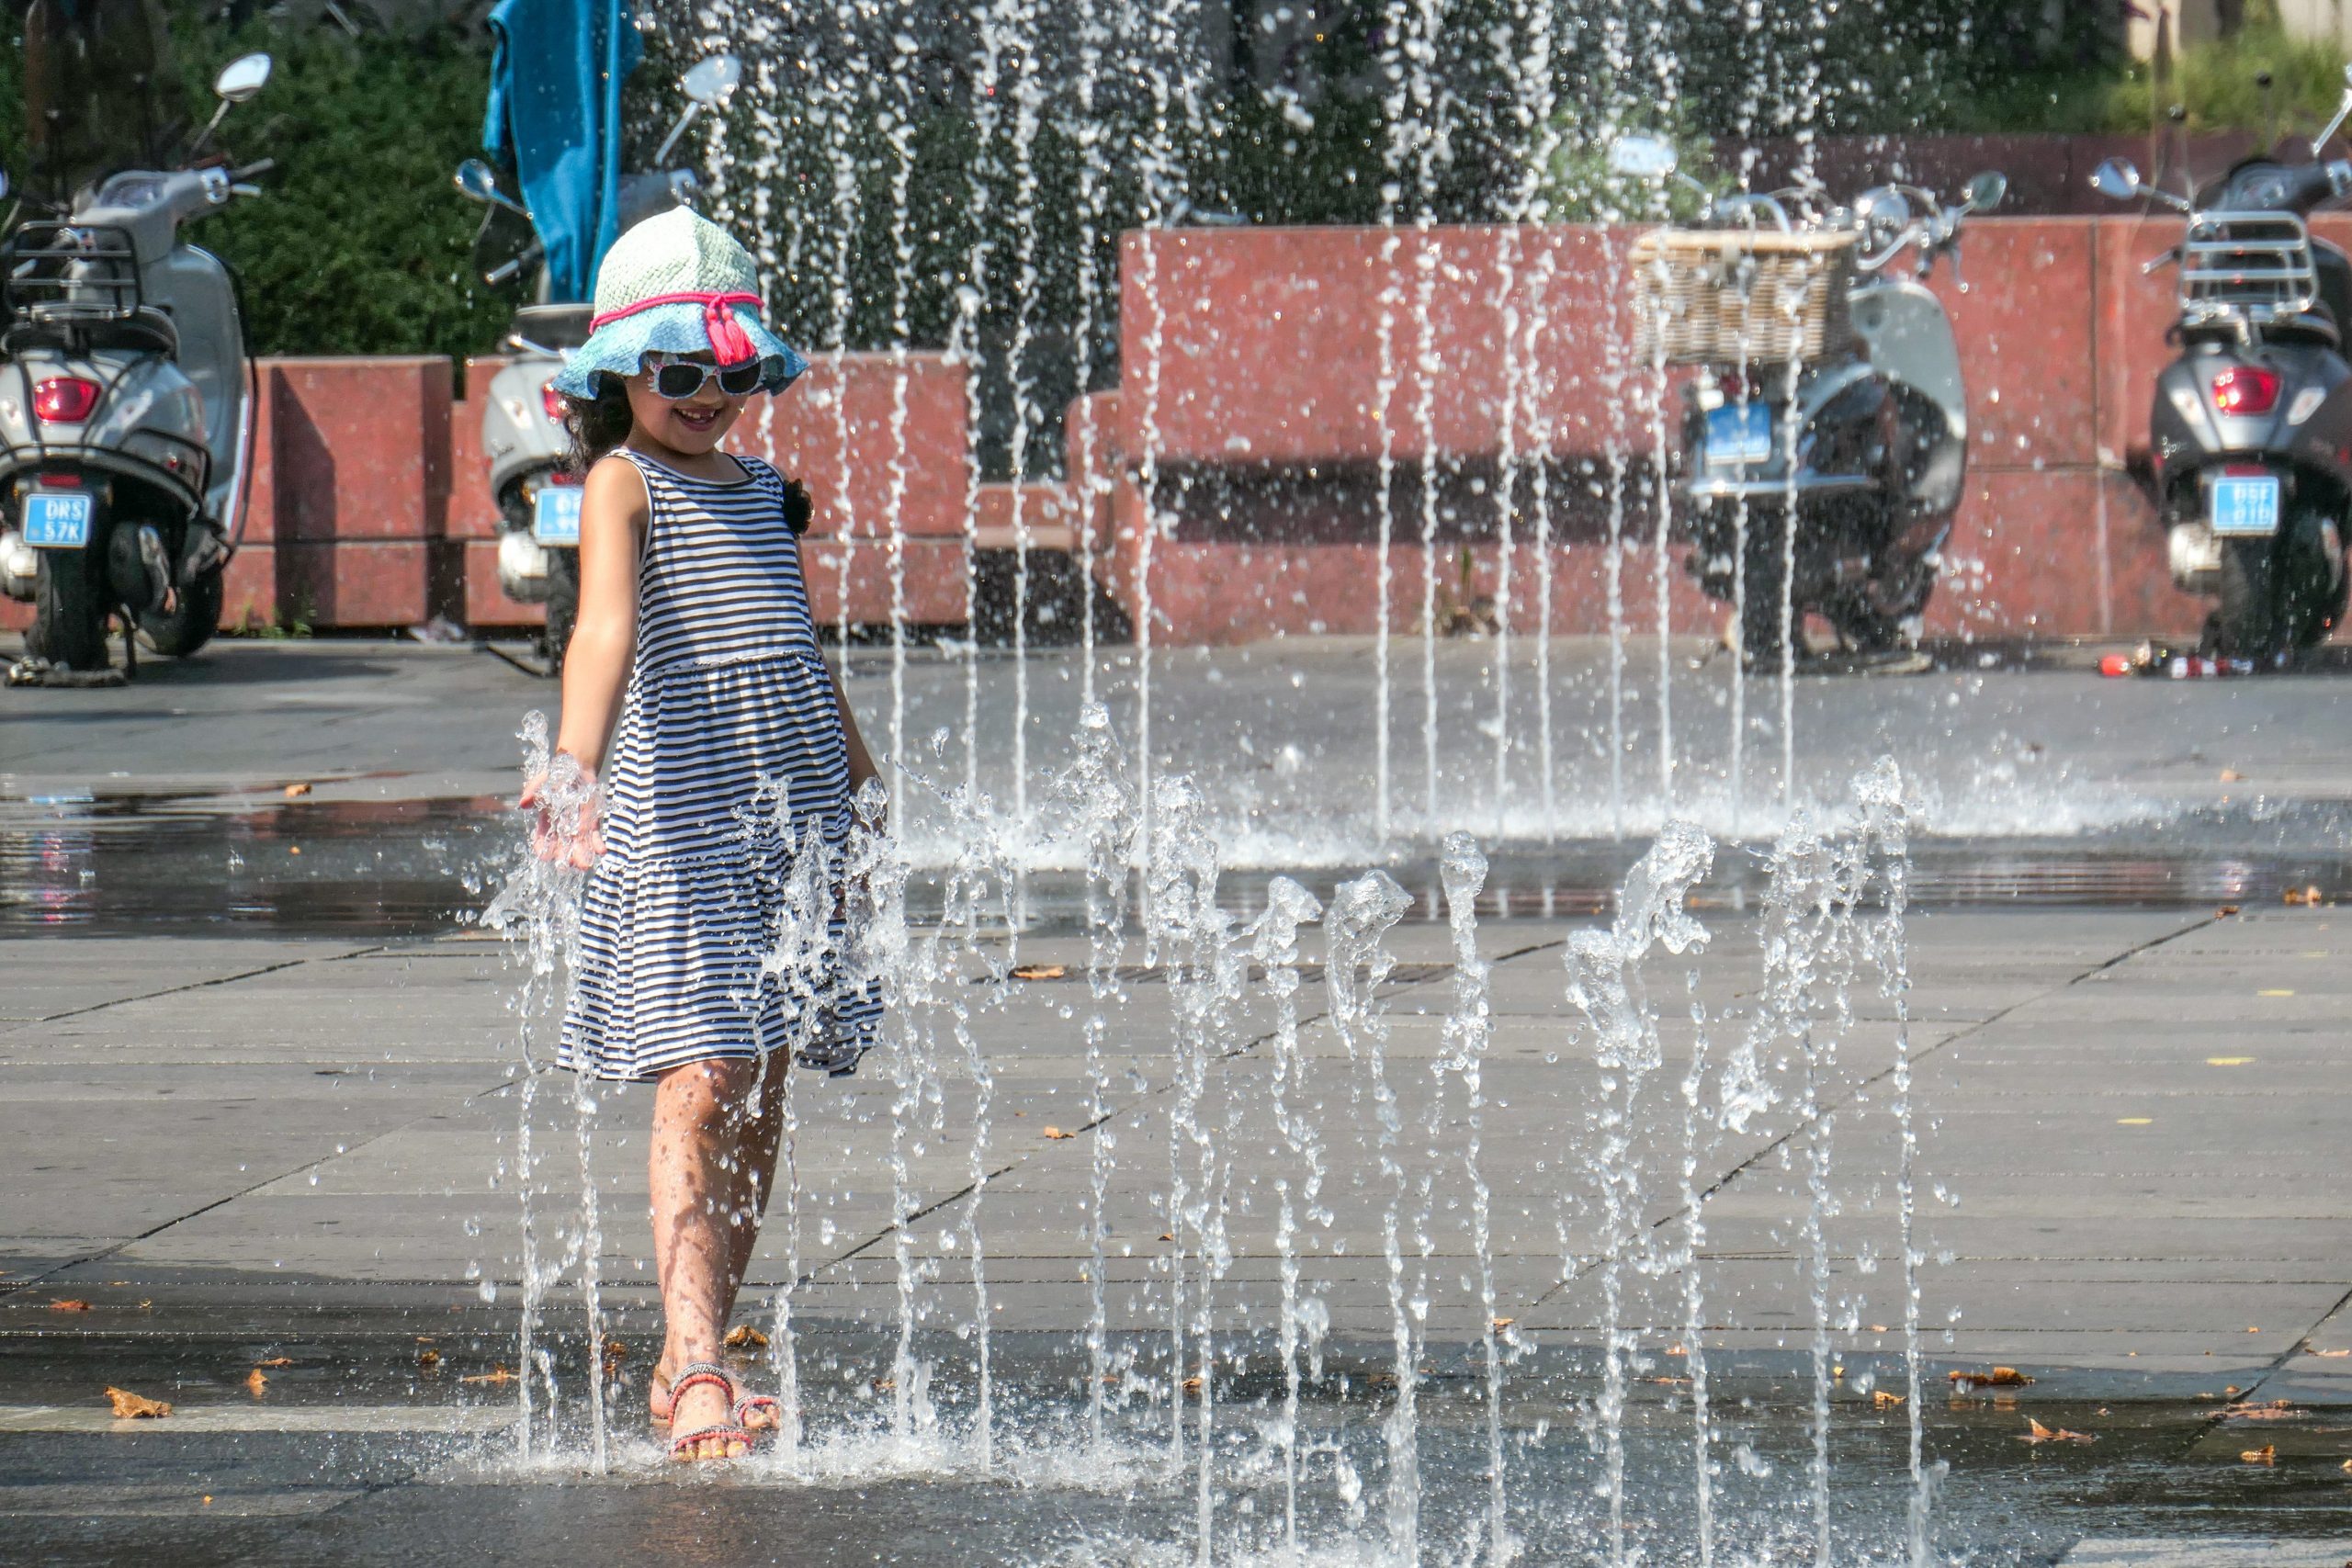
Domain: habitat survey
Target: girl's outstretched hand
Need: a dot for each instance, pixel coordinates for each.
(563, 827)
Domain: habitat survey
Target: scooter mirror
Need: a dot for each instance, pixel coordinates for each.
(1987, 189)
(713, 79)
(474, 179)
(2118, 177)
(1883, 207)
(1642, 157)
(242, 78)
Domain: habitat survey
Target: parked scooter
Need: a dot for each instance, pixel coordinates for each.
(522, 420)
(1824, 441)
(2250, 438)
(125, 409)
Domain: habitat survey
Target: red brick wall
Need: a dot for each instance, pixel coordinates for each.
(1267, 360)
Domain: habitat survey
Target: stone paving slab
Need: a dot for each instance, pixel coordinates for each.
(2137, 1552)
(402, 1055)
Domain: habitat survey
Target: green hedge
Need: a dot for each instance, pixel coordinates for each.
(359, 243)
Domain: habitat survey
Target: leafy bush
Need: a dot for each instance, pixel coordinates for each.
(359, 243)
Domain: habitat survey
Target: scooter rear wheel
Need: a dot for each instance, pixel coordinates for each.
(2279, 595)
(70, 607)
(190, 624)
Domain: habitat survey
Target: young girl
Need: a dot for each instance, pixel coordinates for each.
(694, 698)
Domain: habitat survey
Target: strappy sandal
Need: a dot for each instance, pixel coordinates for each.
(690, 1375)
(750, 1404)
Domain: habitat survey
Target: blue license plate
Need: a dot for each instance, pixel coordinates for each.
(1740, 433)
(555, 515)
(57, 522)
(2238, 505)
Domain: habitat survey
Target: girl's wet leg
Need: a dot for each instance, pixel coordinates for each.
(702, 1173)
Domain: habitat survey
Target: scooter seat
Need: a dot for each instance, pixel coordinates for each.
(553, 326)
(144, 331)
(2316, 324)
(147, 328)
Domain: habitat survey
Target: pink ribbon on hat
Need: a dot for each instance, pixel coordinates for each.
(728, 342)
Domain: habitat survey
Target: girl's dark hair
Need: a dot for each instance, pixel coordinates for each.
(596, 424)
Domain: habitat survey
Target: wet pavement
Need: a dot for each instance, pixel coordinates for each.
(263, 1107)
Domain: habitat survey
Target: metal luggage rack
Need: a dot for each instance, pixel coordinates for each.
(2251, 266)
(58, 272)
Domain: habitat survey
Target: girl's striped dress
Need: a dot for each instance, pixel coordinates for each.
(728, 702)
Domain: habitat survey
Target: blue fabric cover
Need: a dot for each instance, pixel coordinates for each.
(555, 109)
(620, 347)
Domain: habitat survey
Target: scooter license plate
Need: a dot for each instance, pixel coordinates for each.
(2240, 504)
(57, 520)
(1740, 433)
(555, 515)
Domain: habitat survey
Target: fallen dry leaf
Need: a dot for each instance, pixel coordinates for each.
(1165, 1236)
(1998, 1377)
(1878, 1329)
(1883, 1400)
(276, 1361)
(2347, 1465)
(496, 1374)
(2277, 1410)
(1502, 1322)
(1670, 1382)
(2036, 1432)
(1192, 1385)
(129, 1406)
(1058, 1132)
(428, 1358)
(1676, 1350)
(2231, 775)
(884, 1385)
(2332, 1353)
(1039, 972)
(2266, 1454)
(743, 1337)
(2226, 911)
(256, 1380)
(295, 791)
(2231, 1392)
(69, 1304)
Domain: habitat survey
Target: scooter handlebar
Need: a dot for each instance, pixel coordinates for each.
(253, 170)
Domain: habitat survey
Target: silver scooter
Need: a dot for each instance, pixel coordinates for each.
(1829, 486)
(522, 420)
(126, 411)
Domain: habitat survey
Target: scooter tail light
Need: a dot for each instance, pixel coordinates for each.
(552, 401)
(64, 400)
(2246, 389)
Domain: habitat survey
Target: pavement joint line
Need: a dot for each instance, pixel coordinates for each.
(1918, 1056)
(1092, 1126)
(2295, 1347)
(11, 1287)
(193, 986)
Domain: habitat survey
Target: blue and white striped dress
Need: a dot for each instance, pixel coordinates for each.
(728, 693)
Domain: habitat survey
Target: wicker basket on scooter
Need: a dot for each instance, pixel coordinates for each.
(1741, 296)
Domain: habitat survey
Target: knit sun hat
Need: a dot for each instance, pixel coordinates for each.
(676, 284)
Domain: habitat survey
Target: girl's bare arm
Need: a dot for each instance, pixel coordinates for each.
(614, 517)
